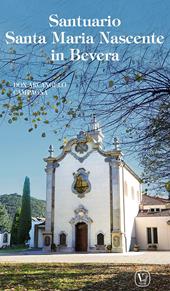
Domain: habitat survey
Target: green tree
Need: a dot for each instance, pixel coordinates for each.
(14, 229)
(4, 218)
(167, 187)
(25, 215)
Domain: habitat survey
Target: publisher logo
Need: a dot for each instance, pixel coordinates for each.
(142, 278)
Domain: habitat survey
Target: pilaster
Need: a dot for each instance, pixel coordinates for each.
(117, 232)
(50, 201)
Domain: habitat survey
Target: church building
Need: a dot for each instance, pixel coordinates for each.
(88, 208)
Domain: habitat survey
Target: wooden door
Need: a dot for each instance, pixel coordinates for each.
(81, 237)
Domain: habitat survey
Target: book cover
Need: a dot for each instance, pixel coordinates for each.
(84, 94)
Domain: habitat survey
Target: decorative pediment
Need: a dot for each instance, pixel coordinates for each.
(81, 215)
(82, 147)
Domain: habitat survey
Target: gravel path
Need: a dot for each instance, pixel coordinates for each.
(131, 257)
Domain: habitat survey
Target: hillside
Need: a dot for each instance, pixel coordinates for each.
(13, 201)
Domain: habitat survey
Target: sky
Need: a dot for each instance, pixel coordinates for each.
(22, 153)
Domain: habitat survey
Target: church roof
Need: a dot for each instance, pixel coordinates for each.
(131, 171)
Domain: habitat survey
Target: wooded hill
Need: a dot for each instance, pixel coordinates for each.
(12, 202)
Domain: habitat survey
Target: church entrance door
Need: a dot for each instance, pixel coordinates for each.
(81, 237)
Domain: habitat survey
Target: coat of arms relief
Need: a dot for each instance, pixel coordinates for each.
(81, 184)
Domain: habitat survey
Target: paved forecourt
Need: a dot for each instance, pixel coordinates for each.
(126, 258)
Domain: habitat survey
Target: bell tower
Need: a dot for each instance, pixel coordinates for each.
(95, 130)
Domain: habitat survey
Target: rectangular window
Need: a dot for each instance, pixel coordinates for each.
(149, 238)
(155, 235)
(152, 235)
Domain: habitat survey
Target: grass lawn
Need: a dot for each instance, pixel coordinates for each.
(13, 249)
(80, 277)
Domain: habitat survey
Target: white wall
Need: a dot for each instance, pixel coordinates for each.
(131, 203)
(32, 232)
(147, 207)
(163, 231)
(40, 238)
(97, 201)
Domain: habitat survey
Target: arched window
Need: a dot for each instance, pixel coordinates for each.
(133, 193)
(138, 196)
(100, 239)
(5, 238)
(126, 189)
(47, 240)
(62, 239)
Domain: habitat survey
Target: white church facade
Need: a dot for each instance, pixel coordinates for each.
(88, 207)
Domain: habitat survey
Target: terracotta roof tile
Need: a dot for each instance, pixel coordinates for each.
(153, 200)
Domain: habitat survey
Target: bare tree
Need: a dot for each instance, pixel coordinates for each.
(129, 97)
